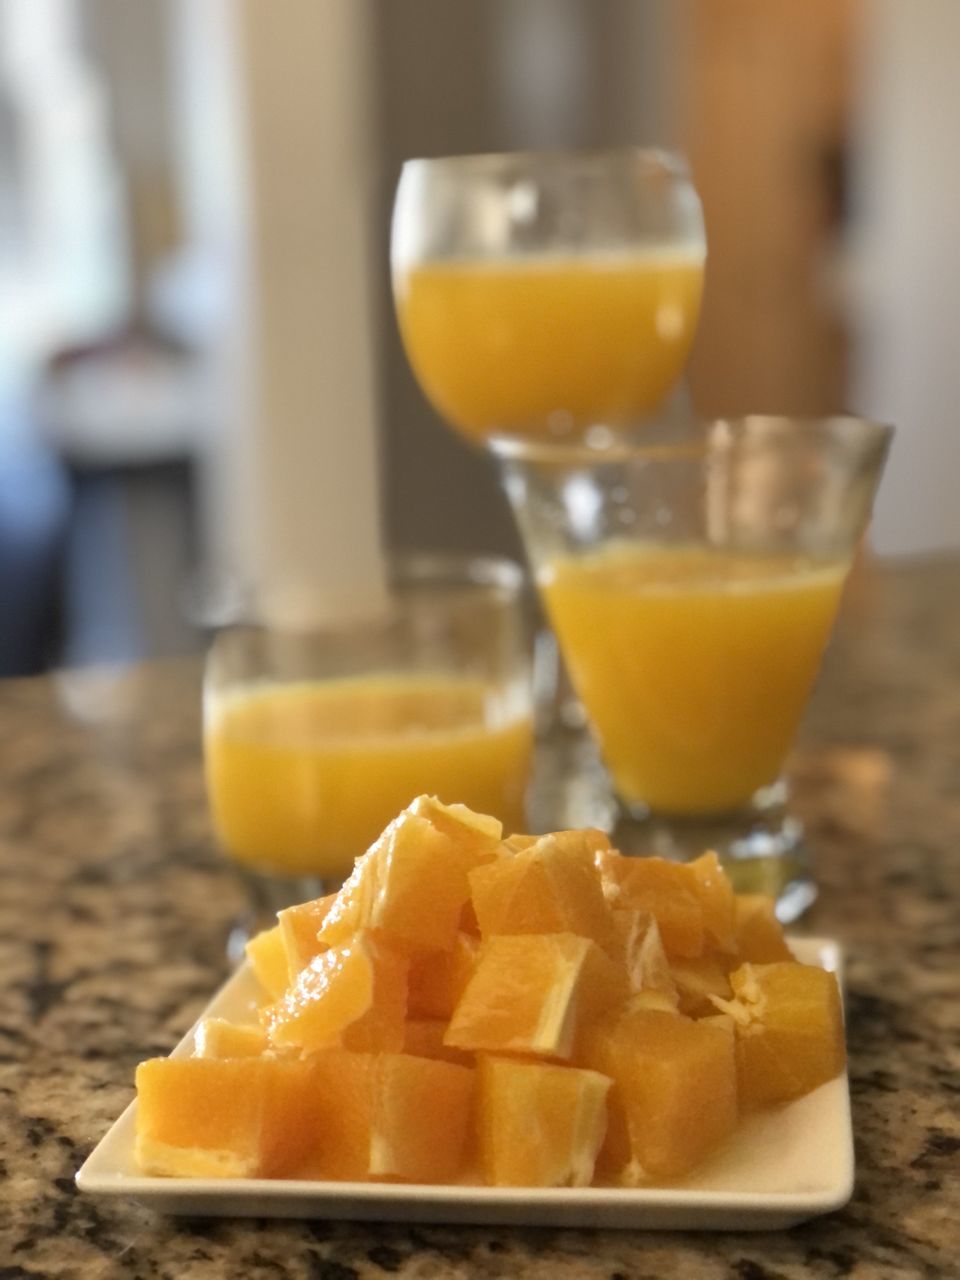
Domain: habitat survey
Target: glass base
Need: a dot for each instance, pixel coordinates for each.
(761, 847)
(266, 895)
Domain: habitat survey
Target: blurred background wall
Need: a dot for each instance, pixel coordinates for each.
(819, 133)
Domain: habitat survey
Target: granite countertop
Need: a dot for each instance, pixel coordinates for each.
(114, 909)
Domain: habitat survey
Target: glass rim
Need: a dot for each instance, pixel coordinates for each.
(600, 444)
(661, 160)
(406, 570)
(464, 569)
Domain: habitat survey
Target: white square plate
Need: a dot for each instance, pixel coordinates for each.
(781, 1167)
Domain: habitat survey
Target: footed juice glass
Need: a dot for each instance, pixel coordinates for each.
(537, 292)
(692, 574)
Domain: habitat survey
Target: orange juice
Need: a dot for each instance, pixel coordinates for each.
(303, 777)
(694, 665)
(504, 345)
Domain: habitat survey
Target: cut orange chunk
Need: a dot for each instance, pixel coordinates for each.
(674, 1096)
(552, 886)
(353, 996)
(699, 979)
(759, 934)
(346, 1084)
(423, 1114)
(789, 1029)
(220, 1118)
(693, 902)
(217, 1038)
(423, 1038)
(386, 890)
(200, 1118)
(536, 1011)
(299, 927)
(439, 978)
(533, 994)
(539, 1125)
(391, 1116)
(460, 824)
(268, 960)
(667, 890)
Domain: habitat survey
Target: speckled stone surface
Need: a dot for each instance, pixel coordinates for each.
(114, 907)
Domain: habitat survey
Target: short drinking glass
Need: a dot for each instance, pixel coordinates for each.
(314, 741)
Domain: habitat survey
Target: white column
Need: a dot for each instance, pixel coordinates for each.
(907, 269)
(297, 481)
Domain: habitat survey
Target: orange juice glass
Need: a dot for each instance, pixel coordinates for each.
(313, 742)
(539, 292)
(692, 575)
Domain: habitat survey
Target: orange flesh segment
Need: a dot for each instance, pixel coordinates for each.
(391, 1116)
(553, 886)
(353, 996)
(268, 960)
(667, 890)
(759, 934)
(539, 1125)
(246, 1117)
(385, 891)
(534, 993)
(293, 1117)
(789, 1029)
(461, 824)
(345, 1083)
(424, 1111)
(299, 927)
(674, 1096)
(716, 895)
(186, 1127)
(218, 1038)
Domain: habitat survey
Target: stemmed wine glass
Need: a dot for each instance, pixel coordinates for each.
(541, 294)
